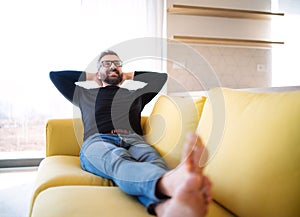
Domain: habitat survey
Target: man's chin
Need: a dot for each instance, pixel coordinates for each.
(113, 80)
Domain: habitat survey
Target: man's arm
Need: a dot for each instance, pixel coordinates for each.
(154, 80)
(93, 76)
(154, 83)
(128, 76)
(64, 81)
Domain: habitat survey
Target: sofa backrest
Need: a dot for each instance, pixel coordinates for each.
(165, 128)
(255, 159)
(171, 119)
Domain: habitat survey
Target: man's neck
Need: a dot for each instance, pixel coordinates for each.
(106, 84)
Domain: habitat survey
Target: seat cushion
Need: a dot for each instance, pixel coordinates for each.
(215, 210)
(171, 119)
(63, 171)
(254, 142)
(87, 201)
(93, 201)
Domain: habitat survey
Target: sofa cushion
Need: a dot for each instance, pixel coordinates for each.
(88, 201)
(63, 171)
(168, 124)
(255, 150)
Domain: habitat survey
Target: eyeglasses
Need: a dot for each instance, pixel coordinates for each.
(107, 63)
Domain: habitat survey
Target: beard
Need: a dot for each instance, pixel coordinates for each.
(113, 80)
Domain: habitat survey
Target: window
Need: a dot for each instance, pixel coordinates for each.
(40, 36)
(285, 67)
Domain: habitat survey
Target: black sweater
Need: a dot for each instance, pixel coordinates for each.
(106, 108)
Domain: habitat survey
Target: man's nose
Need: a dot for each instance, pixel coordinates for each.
(113, 66)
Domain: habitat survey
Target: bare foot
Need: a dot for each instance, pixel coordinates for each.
(193, 159)
(188, 188)
(191, 199)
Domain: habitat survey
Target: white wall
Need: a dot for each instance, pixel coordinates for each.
(231, 66)
(238, 4)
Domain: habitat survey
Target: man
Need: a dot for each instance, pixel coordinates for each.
(113, 145)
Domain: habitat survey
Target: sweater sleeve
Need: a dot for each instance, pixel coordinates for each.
(154, 83)
(64, 81)
(154, 80)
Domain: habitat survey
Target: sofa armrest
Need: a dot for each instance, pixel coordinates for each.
(63, 138)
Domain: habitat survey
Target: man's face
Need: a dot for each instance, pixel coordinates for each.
(110, 70)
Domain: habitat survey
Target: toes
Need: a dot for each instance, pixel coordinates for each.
(201, 152)
(206, 189)
(195, 153)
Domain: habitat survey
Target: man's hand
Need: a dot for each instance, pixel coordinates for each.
(128, 76)
(94, 77)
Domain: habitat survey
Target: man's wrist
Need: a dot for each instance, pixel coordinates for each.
(128, 75)
(90, 76)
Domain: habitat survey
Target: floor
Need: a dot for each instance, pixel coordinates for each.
(16, 187)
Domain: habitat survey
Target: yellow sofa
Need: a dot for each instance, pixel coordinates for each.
(254, 144)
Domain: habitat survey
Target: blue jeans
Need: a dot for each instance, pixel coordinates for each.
(128, 160)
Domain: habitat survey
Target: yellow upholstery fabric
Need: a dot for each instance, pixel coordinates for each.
(63, 137)
(82, 201)
(255, 169)
(62, 171)
(214, 210)
(92, 201)
(168, 124)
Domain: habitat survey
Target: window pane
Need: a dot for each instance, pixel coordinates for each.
(42, 36)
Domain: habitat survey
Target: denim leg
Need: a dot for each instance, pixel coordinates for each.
(102, 156)
(146, 153)
(92, 154)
